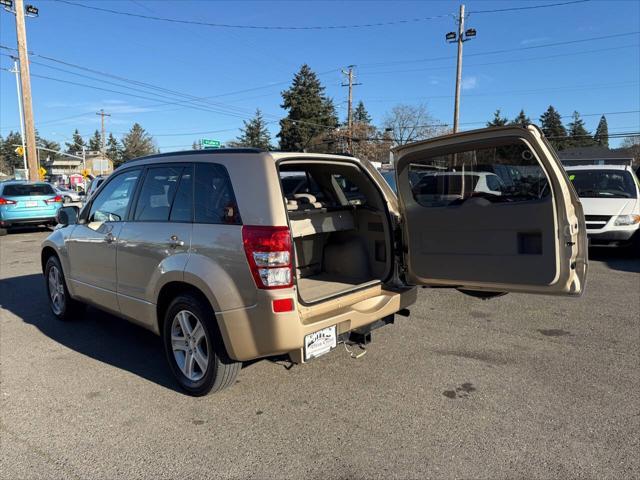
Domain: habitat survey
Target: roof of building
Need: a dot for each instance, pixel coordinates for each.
(595, 152)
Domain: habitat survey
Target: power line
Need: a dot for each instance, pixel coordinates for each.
(314, 27)
(505, 50)
(253, 27)
(500, 62)
(513, 9)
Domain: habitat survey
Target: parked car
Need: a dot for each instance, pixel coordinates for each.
(610, 196)
(228, 257)
(68, 195)
(95, 184)
(444, 187)
(27, 203)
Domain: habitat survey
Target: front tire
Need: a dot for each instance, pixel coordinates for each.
(194, 347)
(62, 305)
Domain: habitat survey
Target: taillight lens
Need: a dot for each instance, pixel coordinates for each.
(56, 199)
(4, 201)
(269, 253)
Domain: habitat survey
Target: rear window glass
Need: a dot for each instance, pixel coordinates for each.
(602, 183)
(28, 190)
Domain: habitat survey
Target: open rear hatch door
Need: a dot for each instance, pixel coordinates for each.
(490, 210)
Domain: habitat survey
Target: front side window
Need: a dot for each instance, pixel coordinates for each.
(603, 183)
(111, 204)
(157, 194)
(214, 200)
(508, 172)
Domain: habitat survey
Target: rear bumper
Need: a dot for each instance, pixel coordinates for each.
(12, 222)
(258, 332)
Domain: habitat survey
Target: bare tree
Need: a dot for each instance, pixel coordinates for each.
(410, 123)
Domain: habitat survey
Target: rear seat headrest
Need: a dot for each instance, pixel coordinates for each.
(306, 199)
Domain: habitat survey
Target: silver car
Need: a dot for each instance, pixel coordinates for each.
(232, 255)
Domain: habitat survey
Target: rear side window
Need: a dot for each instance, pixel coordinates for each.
(158, 190)
(182, 209)
(214, 200)
(27, 190)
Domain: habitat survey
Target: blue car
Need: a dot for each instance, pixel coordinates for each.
(27, 203)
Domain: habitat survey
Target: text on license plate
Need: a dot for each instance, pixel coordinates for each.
(320, 342)
(31, 203)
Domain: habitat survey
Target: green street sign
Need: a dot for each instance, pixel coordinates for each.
(206, 143)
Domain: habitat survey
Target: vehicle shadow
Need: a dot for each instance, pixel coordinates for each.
(95, 334)
(622, 259)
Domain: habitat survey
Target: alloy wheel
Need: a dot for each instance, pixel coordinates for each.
(189, 345)
(56, 290)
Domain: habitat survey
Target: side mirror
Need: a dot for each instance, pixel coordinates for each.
(67, 216)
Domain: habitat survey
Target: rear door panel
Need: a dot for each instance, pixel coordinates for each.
(528, 238)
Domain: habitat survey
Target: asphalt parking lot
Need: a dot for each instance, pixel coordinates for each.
(515, 387)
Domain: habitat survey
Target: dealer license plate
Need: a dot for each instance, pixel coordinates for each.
(320, 342)
(31, 203)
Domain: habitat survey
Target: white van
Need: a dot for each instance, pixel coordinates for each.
(610, 195)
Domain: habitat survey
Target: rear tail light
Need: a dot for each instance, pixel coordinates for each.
(4, 201)
(269, 252)
(56, 199)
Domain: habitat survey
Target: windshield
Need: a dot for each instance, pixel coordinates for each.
(603, 183)
(28, 190)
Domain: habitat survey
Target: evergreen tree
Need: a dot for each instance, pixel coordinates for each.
(77, 142)
(255, 133)
(46, 155)
(497, 120)
(8, 156)
(360, 114)
(137, 143)
(310, 112)
(521, 120)
(95, 142)
(113, 151)
(578, 134)
(553, 129)
(601, 136)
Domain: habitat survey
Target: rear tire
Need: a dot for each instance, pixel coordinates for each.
(194, 347)
(62, 305)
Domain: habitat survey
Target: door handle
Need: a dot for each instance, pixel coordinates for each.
(174, 241)
(109, 238)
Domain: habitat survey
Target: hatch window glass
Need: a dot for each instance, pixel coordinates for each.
(507, 172)
(27, 190)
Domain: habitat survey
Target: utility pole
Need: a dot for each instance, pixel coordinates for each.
(460, 37)
(25, 80)
(16, 71)
(350, 84)
(102, 137)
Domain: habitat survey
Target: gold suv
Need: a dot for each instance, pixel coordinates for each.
(232, 255)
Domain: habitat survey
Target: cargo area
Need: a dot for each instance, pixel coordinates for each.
(340, 228)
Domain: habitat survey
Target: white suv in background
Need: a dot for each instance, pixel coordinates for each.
(610, 195)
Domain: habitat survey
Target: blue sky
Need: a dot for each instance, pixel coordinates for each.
(401, 63)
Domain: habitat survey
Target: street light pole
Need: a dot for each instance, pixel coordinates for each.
(456, 108)
(24, 150)
(459, 37)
